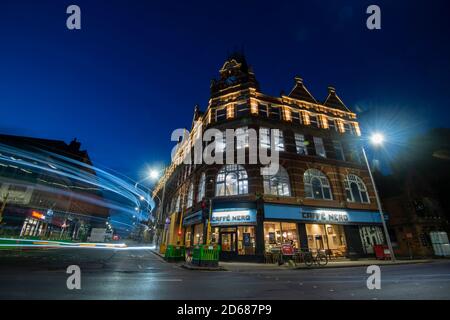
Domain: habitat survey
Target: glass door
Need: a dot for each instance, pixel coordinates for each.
(228, 243)
(228, 240)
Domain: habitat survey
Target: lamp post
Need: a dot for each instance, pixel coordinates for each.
(377, 139)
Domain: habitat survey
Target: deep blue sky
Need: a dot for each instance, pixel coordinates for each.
(137, 68)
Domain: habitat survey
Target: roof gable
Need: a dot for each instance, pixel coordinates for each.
(300, 92)
(333, 101)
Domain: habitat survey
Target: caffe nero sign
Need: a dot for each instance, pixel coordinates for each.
(321, 215)
(325, 216)
(236, 216)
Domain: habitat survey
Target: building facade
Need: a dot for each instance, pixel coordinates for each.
(321, 198)
(42, 192)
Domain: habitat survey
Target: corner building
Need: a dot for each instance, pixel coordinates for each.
(320, 199)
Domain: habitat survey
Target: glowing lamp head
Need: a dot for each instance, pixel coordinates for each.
(154, 174)
(377, 138)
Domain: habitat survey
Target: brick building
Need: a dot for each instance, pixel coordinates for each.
(320, 199)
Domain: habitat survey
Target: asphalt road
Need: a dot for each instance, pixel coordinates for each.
(140, 274)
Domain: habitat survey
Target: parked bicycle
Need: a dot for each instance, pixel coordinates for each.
(320, 259)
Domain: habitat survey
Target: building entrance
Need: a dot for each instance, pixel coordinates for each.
(228, 244)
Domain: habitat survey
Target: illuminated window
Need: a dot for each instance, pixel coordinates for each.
(320, 148)
(232, 180)
(265, 139)
(300, 144)
(201, 188)
(177, 204)
(242, 138)
(278, 185)
(190, 196)
(317, 185)
(355, 189)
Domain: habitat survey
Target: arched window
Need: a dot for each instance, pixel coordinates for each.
(278, 184)
(317, 185)
(190, 196)
(231, 180)
(201, 188)
(355, 189)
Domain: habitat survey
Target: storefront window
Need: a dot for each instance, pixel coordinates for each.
(278, 233)
(198, 234)
(246, 240)
(214, 235)
(187, 237)
(327, 237)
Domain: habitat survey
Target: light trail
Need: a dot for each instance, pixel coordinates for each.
(118, 193)
(27, 243)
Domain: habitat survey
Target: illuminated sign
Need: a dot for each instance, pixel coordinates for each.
(37, 215)
(320, 215)
(221, 217)
(325, 215)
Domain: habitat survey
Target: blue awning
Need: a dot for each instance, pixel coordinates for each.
(321, 215)
(194, 218)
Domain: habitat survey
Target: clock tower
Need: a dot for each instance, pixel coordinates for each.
(235, 75)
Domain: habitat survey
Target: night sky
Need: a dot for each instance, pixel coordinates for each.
(137, 68)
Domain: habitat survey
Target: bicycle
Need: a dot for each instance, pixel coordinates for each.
(320, 259)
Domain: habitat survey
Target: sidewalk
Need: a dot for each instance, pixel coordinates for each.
(240, 266)
(248, 266)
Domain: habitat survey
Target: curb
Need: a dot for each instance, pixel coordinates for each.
(190, 267)
(361, 265)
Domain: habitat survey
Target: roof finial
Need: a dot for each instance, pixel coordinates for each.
(298, 80)
(331, 90)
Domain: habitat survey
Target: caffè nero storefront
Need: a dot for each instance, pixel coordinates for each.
(246, 233)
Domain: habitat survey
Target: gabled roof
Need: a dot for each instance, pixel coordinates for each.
(300, 92)
(333, 101)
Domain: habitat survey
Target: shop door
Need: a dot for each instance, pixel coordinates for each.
(229, 245)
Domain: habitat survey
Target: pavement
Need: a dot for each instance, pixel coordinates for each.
(138, 273)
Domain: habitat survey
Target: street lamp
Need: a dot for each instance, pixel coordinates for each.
(377, 139)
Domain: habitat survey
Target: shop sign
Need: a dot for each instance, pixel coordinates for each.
(287, 250)
(233, 217)
(193, 219)
(323, 215)
(320, 215)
